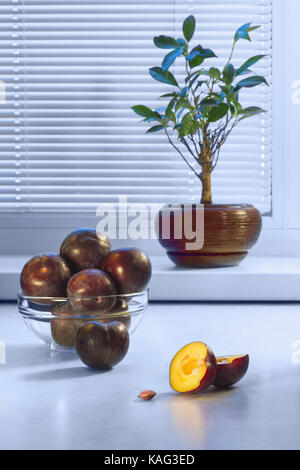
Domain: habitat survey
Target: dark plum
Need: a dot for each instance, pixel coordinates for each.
(45, 275)
(129, 267)
(65, 325)
(102, 345)
(119, 312)
(84, 248)
(91, 290)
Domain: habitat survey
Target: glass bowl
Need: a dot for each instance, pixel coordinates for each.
(50, 320)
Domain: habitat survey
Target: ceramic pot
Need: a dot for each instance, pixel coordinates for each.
(227, 231)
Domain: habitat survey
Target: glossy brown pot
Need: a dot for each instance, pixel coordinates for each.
(228, 232)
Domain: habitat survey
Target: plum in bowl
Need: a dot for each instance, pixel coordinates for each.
(55, 322)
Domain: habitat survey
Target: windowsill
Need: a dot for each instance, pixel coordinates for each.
(257, 278)
(267, 278)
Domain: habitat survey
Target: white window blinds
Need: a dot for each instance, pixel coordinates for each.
(73, 69)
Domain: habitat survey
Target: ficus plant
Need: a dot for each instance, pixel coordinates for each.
(203, 111)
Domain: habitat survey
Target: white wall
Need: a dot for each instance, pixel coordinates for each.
(292, 113)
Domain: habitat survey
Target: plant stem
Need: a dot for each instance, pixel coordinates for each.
(206, 197)
(181, 154)
(231, 53)
(205, 161)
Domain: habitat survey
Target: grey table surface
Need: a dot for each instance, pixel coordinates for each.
(52, 401)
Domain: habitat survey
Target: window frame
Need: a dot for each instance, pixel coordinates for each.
(26, 225)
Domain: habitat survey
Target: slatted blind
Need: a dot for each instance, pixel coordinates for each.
(73, 69)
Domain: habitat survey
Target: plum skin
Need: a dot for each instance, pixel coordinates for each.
(64, 326)
(91, 290)
(121, 308)
(84, 248)
(130, 268)
(45, 275)
(229, 373)
(102, 345)
(64, 330)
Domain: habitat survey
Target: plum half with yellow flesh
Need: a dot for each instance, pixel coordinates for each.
(193, 368)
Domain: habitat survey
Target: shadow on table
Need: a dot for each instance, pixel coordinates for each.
(63, 374)
(27, 355)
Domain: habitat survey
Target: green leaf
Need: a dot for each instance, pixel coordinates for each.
(171, 57)
(181, 42)
(163, 76)
(253, 28)
(144, 111)
(236, 103)
(251, 111)
(228, 74)
(178, 106)
(204, 72)
(154, 129)
(196, 61)
(209, 102)
(197, 57)
(219, 97)
(250, 82)
(198, 51)
(172, 117)
(249, 63)
(188, 27)
(218, 112)
(165, 42)
(243, 32)
(168, 95)
(170, 106)
(214, 73)
(227, 90)
(188, 126)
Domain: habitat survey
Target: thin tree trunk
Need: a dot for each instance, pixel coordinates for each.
(205, 162)
(205, 177)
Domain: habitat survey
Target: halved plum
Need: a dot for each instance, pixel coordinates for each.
(230, 369)
(193, 368)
